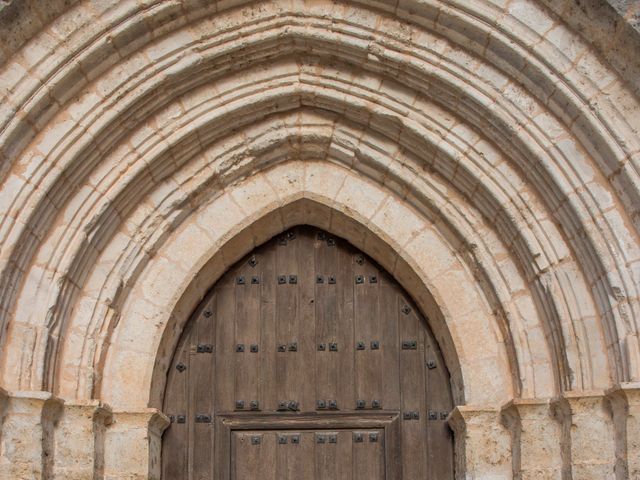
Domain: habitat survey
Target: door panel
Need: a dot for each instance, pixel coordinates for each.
(307, 329)
(308, 455)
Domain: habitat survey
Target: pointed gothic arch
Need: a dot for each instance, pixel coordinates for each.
(485, 153)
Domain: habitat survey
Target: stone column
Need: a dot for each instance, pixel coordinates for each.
(482, 444)
(28, 434)
(625, 400)
(133, 444)
(536, 438)
(588, 435)
(79, 439)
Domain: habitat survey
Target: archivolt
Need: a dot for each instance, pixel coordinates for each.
(529, 185)
(318, 193)
(312, 135)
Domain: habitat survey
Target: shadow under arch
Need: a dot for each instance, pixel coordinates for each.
(304, 211)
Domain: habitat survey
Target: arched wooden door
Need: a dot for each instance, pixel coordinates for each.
(307, 361)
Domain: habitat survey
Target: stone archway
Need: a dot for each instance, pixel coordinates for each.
(486, 154)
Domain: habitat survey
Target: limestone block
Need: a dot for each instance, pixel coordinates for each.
(79, 441)
(588, 435)
(27, 441)
(483, 446)
(133, 444)
(536, 438)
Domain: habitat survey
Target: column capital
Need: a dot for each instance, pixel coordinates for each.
(35, 397)
(152, 418)
(79, 440)
(535, 438)
(474, 427)
(29, 403)
(578, 395)
(576, 402)
(586, 415)
(629, 391)
(133, 444)
(29, 419)
(527, 407)
(462, 415)
(94, 406)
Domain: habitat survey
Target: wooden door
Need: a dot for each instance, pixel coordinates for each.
(306, 360)
(308, 454)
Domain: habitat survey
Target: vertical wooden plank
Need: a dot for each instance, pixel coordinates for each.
(224, 350)
(266, 258)
(326, 262)
(344, 455)
(287, 319)
(375, 367)
(345, 373)
(438, 399)
(248, 456)
(376, 452)
(267, 467)
(368, 455)
(253, 460)
(247, 334)
(393, 450)
(201, 385)
(325, 455)
(361, 329)
(224, 451)
(175, 440)
(412, 393)
(368, 364)
(302, 380)
(390, 344)
(235, 456)
(300, 457)
(282, 453)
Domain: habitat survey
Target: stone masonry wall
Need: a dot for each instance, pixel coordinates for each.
(485, 152)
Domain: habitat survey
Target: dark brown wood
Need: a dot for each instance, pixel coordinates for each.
(176, 461)
(303, 292)
(412, 390)
(438, 399)
(345, 323)
(201, 380)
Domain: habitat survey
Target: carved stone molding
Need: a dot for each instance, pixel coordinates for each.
(482, 444)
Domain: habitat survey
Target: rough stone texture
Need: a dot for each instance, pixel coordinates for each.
(133, 445)
(483, 447)
(486, 153)
(625, 400)
(613, 26)
(536, 437)
(587, 420)
(80, 441)
(27, 443)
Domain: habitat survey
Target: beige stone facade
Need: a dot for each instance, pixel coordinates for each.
(485, 152)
